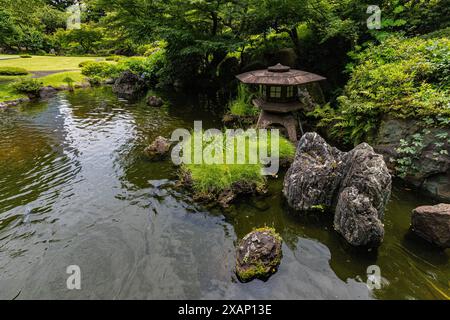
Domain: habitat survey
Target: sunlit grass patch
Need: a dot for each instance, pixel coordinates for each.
(7, 93)
(214, 178)
(60, 79)
(47, 63)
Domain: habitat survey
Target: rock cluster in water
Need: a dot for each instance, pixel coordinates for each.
(433, 224)
(159, 149)
(355, 185)
(258, 255)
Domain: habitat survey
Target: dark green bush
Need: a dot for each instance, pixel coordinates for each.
(12, 71)
(84, 63)
(27, 86)
(100, 69)
(402, 78)
(26, 56)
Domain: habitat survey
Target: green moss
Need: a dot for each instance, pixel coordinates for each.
(259, 270)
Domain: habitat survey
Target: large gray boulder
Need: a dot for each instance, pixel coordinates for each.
(315, 175)
(431, 166)
(363, 195)
(129, 85)
(433, 224)
(355, 185)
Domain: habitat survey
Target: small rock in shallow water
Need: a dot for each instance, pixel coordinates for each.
(433, 224)
(154, 101)
(159, 149)
(258, 255)
(128, 85)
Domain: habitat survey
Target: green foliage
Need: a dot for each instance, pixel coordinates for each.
(147, 67)
(103, 70)
(242, 105)
(27, 86)
(114, 58)
(84, 63)
(26, 56)
(408, 152)
(12, 71)
(403, 78)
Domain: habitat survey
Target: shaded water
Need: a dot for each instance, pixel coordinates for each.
(75, 189)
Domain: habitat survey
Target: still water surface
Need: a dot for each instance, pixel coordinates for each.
(75, 189)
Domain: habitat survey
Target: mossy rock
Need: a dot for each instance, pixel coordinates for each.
(258, 255)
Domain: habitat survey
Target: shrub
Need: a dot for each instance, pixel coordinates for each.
(149, 68)
(113, 58)
(242, 105)
(26, 56)
(13, 71)
(84, 63)
(27, 86)
(100, 69)
(403, 78)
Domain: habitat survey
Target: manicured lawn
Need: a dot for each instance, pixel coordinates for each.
(8, 94)
(47, 63)
(57, 79)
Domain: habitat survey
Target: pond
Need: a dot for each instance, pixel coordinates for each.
(76, 189)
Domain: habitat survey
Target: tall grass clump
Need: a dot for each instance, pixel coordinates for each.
(242, 105)
(214, 178)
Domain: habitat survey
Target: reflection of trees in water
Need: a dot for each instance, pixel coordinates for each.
(34, 154)
(179, 111)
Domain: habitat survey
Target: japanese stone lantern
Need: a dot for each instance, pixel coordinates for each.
(279, 95)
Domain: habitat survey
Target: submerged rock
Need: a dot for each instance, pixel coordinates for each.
(129, 85)
(159, 149)
(47, 92)
(433, 224)
(258, 255)
(154, 101)
(356, 185)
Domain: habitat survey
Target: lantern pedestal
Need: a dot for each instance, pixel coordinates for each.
(286, 120)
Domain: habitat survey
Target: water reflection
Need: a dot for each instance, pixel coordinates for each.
(75, 188)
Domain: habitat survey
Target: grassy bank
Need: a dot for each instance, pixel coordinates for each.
(46, 63)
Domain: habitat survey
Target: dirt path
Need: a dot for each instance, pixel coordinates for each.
(40, 74)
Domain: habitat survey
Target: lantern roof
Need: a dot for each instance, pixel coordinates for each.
(279, 75)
